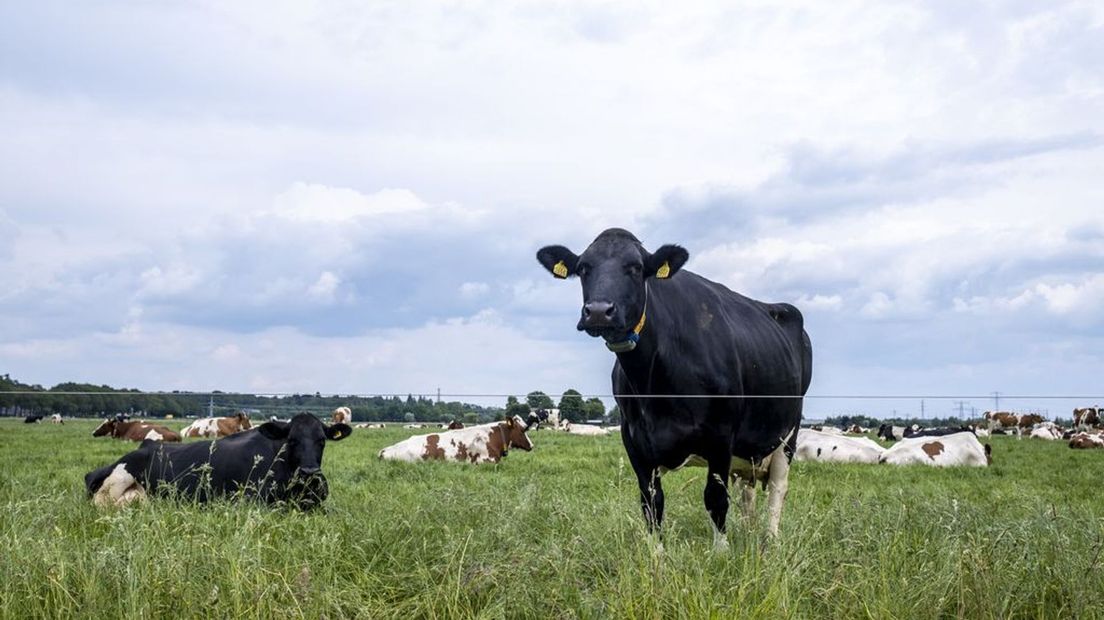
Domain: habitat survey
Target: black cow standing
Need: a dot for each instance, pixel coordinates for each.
(679, 337)
(275, 462)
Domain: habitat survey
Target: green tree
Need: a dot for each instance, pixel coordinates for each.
(614, 416)
(595, 409)
(513, 407)
(539, 400)
(572, 407)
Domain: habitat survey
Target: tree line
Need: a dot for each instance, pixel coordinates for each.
(104, 400)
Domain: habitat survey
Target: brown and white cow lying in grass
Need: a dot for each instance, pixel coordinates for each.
(485, 443)
(370, 425)
(946, 451)
(135, 431)
(218, 427)
(1084, 440)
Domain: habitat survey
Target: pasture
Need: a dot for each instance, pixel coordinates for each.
(555, 533)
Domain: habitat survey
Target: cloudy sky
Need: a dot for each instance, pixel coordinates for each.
(347, 197)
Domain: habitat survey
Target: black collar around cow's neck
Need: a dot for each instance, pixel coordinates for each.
(633, 337)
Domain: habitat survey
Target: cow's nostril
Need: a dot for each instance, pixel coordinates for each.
(609, 311)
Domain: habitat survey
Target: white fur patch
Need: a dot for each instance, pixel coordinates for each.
(119, 489)
(154, 435)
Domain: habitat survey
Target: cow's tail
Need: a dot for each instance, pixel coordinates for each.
(94, 480)
(806, 361)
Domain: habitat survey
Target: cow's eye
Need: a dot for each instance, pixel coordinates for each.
(633, 269)
(582, 270)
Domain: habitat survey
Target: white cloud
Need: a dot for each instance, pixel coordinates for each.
(325, 287)
(342, 183)
(474, 290)
(311, 202)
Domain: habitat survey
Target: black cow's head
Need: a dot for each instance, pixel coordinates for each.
(304, 440)
(614, 271)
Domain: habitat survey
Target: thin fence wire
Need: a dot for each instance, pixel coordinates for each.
(436, 395)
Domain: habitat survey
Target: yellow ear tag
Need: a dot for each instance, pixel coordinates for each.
(664, 271)
(559, 270)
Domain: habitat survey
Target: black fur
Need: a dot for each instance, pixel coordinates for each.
(699, 338)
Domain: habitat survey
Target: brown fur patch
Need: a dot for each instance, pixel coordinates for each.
(518, 438)
(1029, 420)
(496, 443)
(432, 449)
(932, 449)
(462, 451)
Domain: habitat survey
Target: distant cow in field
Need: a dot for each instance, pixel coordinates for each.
(135, 431)
(678, 337)
(855, 429)
(369, 425)
(1028, 421)
(1085, 418)
(1000, 420)
(830, 430)
(276, 462)
(414, 425)
(455, 425)
(829, 447)
(342, 415)
(56, 419)
(34, 418)
(947, 451)
(1086, 440)
(889, 432)
(218, 427)
(484, 443)
(591, 430)
(1046, 430)
(937, 431)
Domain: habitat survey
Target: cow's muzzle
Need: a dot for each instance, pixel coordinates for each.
(600, 318)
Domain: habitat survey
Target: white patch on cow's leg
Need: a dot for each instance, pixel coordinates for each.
(119, 489)
(720, 540)
(778, 484)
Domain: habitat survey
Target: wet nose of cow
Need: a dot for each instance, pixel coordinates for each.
(598, 313)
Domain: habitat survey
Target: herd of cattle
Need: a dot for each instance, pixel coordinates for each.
(702, 376)
(943, 447)
(266, 465)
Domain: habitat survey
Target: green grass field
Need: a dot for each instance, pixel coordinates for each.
(555, 533)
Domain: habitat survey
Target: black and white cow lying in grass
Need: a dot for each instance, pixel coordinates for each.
(275, 462)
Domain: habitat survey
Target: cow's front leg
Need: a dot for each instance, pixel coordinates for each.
(716, 499)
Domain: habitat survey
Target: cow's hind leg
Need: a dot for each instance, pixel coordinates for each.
(747, 498)
(778, 484)
(716, 499)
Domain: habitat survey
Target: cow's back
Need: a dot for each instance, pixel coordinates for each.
(201, 469)
(714, 341)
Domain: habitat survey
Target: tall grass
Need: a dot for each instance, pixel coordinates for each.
(555, 533)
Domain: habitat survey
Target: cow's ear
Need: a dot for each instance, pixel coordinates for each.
(274, 430)
(336, 432)
(665, 262)
(558, 260)
(510, 422)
